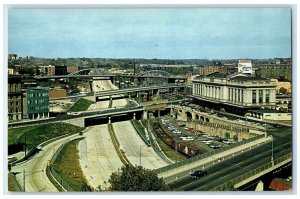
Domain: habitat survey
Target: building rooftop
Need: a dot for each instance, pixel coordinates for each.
(266, 111)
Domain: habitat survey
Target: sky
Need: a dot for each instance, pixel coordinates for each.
(170, 33)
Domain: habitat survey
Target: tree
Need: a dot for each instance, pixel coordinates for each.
(282, 90)
(86, 188)
(136, 178)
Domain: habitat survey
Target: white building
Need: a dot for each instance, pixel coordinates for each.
(245, 66)
(238, 90)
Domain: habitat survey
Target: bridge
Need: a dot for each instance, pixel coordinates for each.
(93, 117)
(138, 89)
(109, 76)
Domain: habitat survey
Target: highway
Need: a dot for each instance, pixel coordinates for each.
(135, 149)
(231, 168)
(98, 157)
(36, 179)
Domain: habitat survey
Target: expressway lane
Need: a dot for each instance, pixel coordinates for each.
(98, 157)
(36, 179)
(231, 168)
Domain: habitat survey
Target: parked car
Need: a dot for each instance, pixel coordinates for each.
(198, 173)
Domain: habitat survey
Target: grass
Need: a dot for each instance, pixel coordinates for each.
(81, 105)
(11, 186)
(67, 164)
(169, 151)
(39, 133)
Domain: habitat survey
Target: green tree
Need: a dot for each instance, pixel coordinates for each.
(137, 178)
(282, 90)
(228, 187)
(86, 188)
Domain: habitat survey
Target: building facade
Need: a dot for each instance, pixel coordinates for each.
(275, 71)
(208, 70)
(235, 91)
(61, 70)
(15, 97)
(57, 93)
(72, 69)
(36, 103)
(47, 70)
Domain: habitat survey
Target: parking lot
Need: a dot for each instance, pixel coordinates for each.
(185, 132)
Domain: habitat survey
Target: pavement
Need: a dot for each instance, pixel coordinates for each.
(136, 151)
(36, 179)
(98, 157)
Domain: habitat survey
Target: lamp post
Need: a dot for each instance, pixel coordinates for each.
(140, 156)
(272, 157)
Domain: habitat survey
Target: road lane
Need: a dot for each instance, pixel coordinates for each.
(36, 179)
(98, 158)
(135, 149)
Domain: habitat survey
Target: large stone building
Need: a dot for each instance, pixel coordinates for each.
(36, 103)
(14, 97)
(275, 71)
(236, 93)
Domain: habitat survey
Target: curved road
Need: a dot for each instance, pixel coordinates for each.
(36, 179)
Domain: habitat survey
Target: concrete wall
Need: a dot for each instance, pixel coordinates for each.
(277, 116)
(216, 126)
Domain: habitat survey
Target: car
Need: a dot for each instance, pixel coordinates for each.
(198, 173)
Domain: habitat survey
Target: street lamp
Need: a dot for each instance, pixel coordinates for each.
(272, 157)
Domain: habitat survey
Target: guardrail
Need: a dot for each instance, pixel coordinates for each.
(252, 173)
(140, 131)
(59, 179)
(205, 155)
(116, 144)
(135, 89)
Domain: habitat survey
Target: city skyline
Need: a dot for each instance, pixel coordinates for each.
(177, 33)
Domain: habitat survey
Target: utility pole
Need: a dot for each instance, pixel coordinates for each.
(24, 180)
(140, 156)
(25, 143)
(272, 158)
(176, 149)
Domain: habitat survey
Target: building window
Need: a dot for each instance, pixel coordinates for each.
(267, 96)
(260, 96)
(254, 96)
(242, 96)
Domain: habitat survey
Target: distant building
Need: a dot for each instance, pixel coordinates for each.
(15, 97)
(279, 184)
(235, 93)
(28, 82)
(12, 56)
(228, 69)
(47, 70)
(61, 70)
(245, 66)
(282, 84)
(57, 93)
(208, 70)
(36, 103)
(72, 69)
(278, 71)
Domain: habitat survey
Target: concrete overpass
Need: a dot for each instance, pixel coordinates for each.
(138, 90)
(108, 76)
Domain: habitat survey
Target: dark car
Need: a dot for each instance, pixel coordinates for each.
(198, 173)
